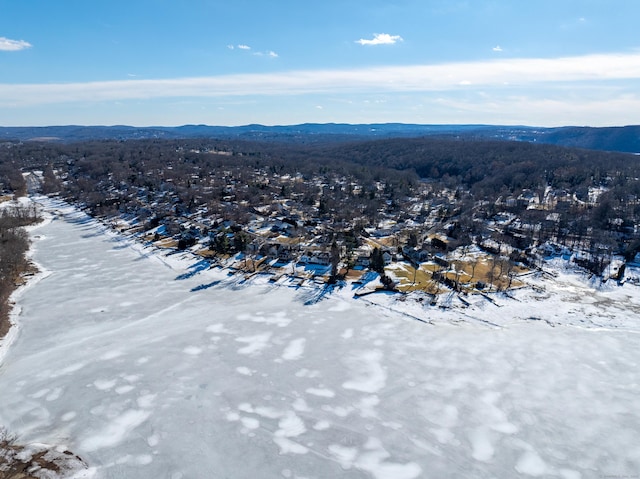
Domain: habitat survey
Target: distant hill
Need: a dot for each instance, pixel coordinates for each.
(623, 139)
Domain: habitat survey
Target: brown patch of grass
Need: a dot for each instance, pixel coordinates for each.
(166, 243)
(387, 241)
(411, 279)
(206, 253)
(354, 275)
(287, 240)
(462, 272)
(482, 272)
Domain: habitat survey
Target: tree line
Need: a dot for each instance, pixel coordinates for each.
(14, 244)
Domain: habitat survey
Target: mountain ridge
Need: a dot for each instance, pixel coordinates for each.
(618, 138)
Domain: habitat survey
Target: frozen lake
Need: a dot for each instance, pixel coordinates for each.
(148, 372)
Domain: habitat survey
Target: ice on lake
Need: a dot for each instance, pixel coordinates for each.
(146, 376)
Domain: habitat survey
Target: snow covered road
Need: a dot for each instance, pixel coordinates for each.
(148, 376)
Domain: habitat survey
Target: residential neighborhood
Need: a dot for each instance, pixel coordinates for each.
(300, 222)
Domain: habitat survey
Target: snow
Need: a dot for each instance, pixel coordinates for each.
(115, 430)
(531, 464)
(121, 358)
(255, 344)
(368, 375)
(322, 392)
(290, 426)
(294, 350)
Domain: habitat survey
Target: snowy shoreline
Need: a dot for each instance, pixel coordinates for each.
(143, 371)
(50, 460)
(566, 297)
(14, 298)
(495, 310)
(478, 308)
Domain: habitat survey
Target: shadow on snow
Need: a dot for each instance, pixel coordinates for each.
(194, 269)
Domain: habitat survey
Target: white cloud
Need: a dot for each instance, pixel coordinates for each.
(9, 45)
(497, 48)
(381, 39)
(270, 54)
(539, 79)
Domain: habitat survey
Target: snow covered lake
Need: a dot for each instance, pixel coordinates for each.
(147, 371)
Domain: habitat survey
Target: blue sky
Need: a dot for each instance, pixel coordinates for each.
(164, 62)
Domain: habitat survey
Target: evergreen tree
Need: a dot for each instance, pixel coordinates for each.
(335, 259)
(377, 261)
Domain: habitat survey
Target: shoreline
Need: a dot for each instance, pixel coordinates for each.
(16, 458)
(12, 322)
(411, 305)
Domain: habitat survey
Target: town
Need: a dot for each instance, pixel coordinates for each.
(310, 216)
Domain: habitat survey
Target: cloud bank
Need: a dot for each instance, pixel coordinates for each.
(9, 45)
(412, 78)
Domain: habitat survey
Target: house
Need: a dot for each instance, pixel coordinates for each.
(363, 256)
(316, 256)
(439, 242)
(275, 249)
(415, 255)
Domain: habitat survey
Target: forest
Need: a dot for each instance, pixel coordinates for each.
(14, 243)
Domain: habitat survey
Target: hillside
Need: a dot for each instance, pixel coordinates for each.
(427, 199)
(624, 139)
